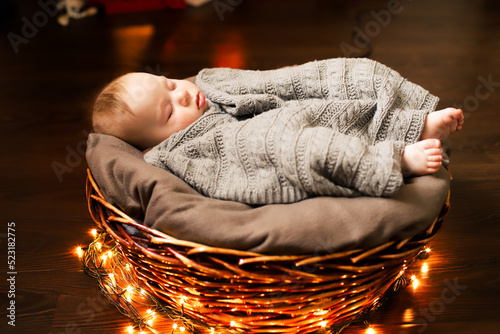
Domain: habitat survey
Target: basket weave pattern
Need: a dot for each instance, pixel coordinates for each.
(255, 293)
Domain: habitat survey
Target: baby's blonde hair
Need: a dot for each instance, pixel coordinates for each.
(109, 104)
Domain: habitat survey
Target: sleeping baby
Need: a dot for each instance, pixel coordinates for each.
(336, 127)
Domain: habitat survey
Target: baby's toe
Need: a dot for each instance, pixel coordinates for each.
(433, 167)
(458, 116)
(460, 121)
(429, 144)
(434, 158)
(434, 164)
(433, 151)
(457, 113)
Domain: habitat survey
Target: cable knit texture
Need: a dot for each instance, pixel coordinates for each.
(334, 127)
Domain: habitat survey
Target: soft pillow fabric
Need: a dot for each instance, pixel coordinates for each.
(314, 226)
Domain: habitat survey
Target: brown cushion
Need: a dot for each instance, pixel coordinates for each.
(323, 224)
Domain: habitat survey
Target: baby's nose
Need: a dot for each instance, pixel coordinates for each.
(183, 98)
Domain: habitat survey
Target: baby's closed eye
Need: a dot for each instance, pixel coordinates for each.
(168, 111)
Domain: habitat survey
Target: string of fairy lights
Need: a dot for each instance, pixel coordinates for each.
(103, 261)
(118, 282)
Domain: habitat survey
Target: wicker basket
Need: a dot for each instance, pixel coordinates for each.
(255, 293)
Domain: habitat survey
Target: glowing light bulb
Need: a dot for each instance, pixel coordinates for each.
(112, 278)
(174, 326)
(427, 249)
(425, 268)
(130, 329)
(98, 246)
(323, 324)
(129, 293)
(233, 323)
(110, 254)
(370, 330)
(182, 329)
(93, 232)
(414, 280)
(79, 251)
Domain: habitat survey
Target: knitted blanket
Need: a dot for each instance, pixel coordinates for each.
(335, 127)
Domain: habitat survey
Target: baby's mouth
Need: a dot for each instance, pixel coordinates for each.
(200, 100)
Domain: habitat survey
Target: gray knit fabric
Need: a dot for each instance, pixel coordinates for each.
(335, 127)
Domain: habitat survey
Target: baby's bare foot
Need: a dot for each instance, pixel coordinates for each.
(442, 123)
(422, 158)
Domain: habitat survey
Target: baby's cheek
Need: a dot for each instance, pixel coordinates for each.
(192, 119)
(184, 124)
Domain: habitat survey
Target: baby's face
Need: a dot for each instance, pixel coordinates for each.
(160, 107)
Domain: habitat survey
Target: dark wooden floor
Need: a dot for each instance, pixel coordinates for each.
(49, 75)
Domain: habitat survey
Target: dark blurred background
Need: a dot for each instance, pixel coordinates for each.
(50, 73)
